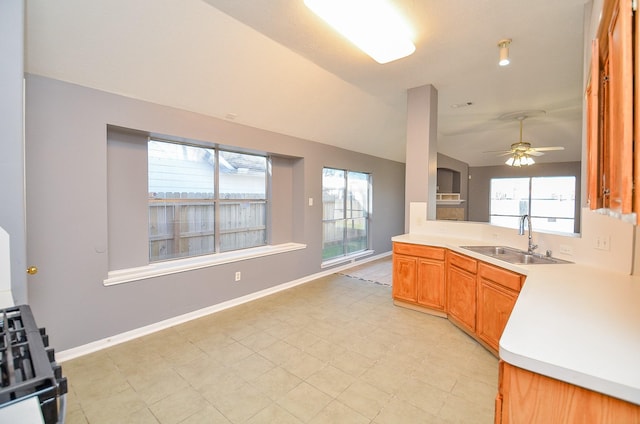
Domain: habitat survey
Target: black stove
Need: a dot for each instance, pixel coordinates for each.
(27, 364)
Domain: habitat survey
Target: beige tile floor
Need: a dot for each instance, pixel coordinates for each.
(334, 350)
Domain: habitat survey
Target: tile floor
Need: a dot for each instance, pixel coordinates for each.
(334, 350)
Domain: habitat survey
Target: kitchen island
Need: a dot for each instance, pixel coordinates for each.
(571, 322)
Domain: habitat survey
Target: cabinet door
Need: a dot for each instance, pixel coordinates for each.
(636, 117)
(595, 152)
(495, 304)
(528, 397)
(612, 167)
(405, 276)
(620, 107)
(431, 288)
(461, 297)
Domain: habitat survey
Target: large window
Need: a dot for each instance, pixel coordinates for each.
(550, 201)
(204, 200)
(346, 197)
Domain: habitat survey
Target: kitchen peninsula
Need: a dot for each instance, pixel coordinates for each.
(572, 342)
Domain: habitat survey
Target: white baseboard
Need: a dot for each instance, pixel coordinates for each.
(97, 345)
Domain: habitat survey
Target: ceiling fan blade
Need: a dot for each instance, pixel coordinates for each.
(533, 152)
(499, 151)
(547, 149)
(524, 148)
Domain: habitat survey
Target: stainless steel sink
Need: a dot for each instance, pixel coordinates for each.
(514, 256)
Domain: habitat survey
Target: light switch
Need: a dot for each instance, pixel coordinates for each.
(310, 201)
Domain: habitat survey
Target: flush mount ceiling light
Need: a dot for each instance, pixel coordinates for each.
(374, 26)
(504, 51)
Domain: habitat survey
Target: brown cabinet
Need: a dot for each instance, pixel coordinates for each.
(405, 274)
(461, 290)
(479, 298)
(610, 100)
(476, 296)
(528, 397)
(498, 290)
(418, 275)
(431, 283)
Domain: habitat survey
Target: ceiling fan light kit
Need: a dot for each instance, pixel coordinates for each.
(520, 153)
(504, 51)
(520, 159)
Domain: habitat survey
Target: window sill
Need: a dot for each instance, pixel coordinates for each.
(128, 275)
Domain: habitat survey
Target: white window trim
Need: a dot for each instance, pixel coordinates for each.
(351, 257)
(158, 269)
(348, 258)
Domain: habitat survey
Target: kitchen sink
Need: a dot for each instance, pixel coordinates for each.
(514, 256)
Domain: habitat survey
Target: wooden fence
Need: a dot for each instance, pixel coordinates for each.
(187, 227)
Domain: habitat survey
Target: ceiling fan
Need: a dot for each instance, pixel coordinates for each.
(520, 153)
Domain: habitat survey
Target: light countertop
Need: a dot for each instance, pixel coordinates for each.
(571, 322)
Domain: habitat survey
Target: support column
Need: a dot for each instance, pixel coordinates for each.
(422, 150)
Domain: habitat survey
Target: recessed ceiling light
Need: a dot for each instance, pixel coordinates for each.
(374, 26)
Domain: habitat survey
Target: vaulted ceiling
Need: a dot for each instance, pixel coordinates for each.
(272, 64)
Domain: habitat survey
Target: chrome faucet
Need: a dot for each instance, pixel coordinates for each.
(531, 247)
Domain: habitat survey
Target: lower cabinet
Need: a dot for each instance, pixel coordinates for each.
(431, 283)
(405, 273)
(461, 290)
(476, 296)
(419, 275)
(498, 290)
(528, 397)
(479, 297)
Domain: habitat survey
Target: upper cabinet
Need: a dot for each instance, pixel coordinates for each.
(613, 164)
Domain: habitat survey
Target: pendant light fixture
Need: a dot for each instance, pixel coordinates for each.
(504, 51)
(374, 26)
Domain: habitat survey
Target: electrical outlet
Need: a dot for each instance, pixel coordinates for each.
(238, 275)
(565, 249)
(603, 243)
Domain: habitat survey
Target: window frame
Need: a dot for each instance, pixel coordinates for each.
(530, 200)
(347, 215)
(218, 202)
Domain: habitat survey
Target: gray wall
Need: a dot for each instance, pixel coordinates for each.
(11, 140)
(480, 184)
(67, 211)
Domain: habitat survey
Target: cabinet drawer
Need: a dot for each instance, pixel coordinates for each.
(500, 276)
(419, 250)
(463, 262)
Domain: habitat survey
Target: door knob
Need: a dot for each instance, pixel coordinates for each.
(32, 270)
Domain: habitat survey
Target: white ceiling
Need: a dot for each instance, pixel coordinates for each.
(272, 64)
